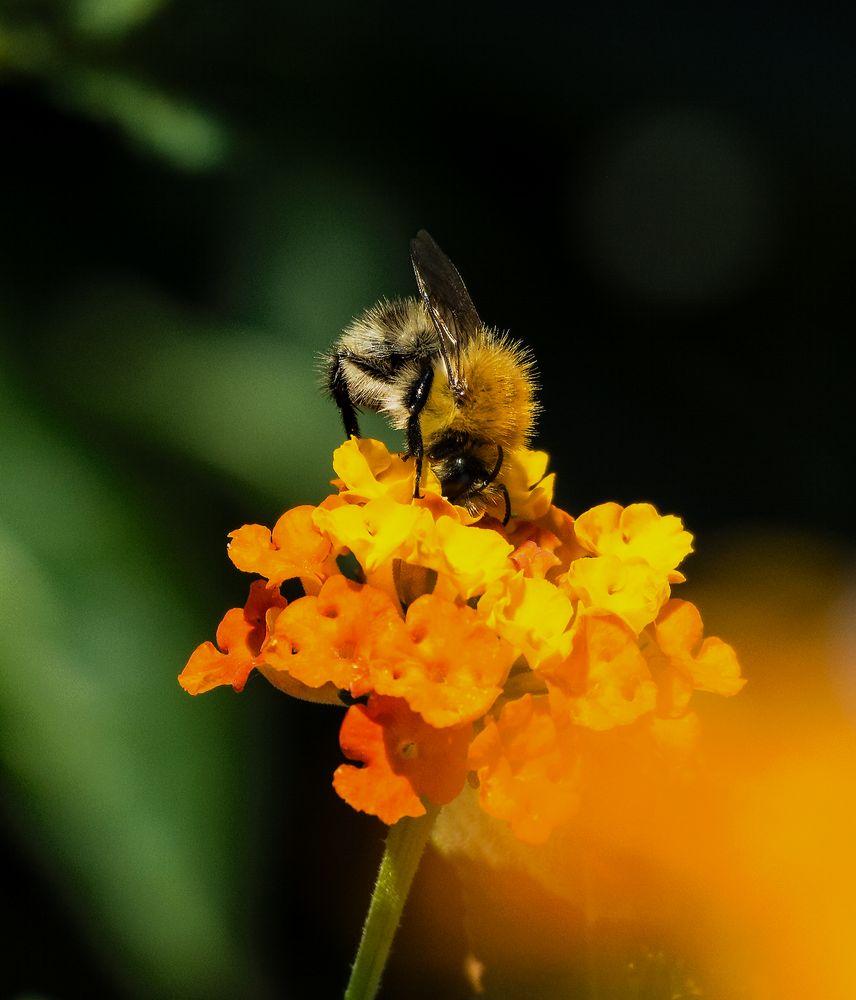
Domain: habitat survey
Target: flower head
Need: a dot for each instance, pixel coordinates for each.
(467, 646)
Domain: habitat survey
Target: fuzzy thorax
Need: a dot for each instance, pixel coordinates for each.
(498, 406)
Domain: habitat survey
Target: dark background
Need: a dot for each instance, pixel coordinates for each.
(195, 199)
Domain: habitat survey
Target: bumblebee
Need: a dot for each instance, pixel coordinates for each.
(463, 393)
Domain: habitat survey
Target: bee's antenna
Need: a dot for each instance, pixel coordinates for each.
(499, 458)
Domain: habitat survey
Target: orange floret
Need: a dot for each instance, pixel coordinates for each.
(528, 769)
(684, 661)
(629, 588)
(534, 561)
(448, 666)
(295, 548)
(636, 532)
(375, 532)
(468, 556)
(605, 680)
(403, 760)
(529, 612)
(331, 638)
(368, 470)
(553, 534)
(240, 636)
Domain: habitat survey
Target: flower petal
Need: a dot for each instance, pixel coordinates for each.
(552, 533)
(368, 470)
(530, 490)
(707, 664)
(529, 612)
(630, 588)
(469, 555)
(377, 532)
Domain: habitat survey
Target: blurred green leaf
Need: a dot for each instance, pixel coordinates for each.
(126, 783)
(26, 48)
(167, 125)
(112, 17)
(316, 245)
(246, 403)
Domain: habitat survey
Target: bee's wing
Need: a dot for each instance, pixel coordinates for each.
(448, 303)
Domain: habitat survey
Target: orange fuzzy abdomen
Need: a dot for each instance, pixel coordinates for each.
(499, 403)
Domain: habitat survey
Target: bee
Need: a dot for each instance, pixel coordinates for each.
(463, 393)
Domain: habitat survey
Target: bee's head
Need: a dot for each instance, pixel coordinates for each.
(464, 467)
(461, 476)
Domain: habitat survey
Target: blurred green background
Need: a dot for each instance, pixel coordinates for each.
(196, 197)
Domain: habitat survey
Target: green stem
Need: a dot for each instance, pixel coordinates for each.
(405, 843)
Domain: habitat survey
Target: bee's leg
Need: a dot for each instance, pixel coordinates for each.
(416, 399)
(503, 489)
(338, 387)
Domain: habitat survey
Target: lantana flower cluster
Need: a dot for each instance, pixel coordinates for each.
(460, 648)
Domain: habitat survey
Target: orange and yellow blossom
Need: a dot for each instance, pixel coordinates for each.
(465, 646)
